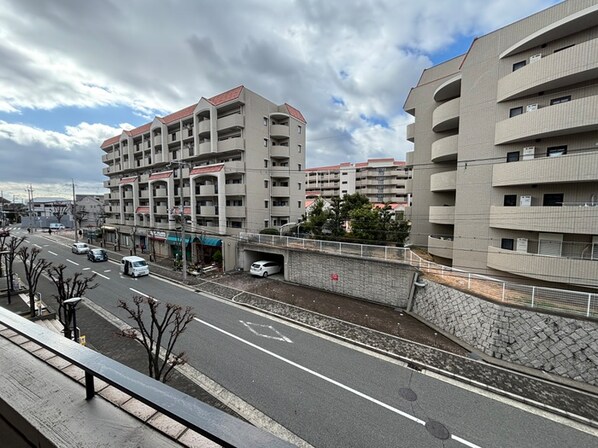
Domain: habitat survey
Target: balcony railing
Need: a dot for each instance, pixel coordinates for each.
(577, 219)
(440, 246)
(442, 214)
(445, 149)
(446, 116)
(445, 181)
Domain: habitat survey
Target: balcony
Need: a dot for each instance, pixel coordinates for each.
(449, 89)
(157, 140)
(280, 169)
(144, 194)
(565, 68)
(161, 210)
(281, 211)
(543, 267)
(280, 192)
(279, 130)
(567, 219)
(440, 247)
(231, 144)
(410, 132)
(235, 212)
(409, 185)
(235, 189)
(445, 149)
(231, 122)
(235, 166)
(207, 190)
(280, 151)
(579, 167)
(207, 210)
(568, 118)
(160, 193)
(204, 127)
(445, 181)
(174, 137)
(442, 214)
(106, 171)
(205, 147)
(409, 155)
(446, 116)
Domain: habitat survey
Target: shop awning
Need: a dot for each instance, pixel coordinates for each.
(109, 228)
(175, 239)
(208, 241)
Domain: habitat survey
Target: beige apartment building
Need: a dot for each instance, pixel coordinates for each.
(242, 171)
(505, 160)
(381, 180)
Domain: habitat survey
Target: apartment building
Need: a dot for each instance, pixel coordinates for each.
(381, 180)
(505, 161)
(239, 162)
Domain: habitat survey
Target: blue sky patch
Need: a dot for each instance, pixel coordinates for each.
(457, 48)
(373, 120)
(337, 101)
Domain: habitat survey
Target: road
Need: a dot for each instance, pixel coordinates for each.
(330, 394)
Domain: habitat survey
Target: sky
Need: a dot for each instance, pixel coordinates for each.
(75, 72)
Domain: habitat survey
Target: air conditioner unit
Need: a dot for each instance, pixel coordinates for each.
(531, 107)
(525, 201)
(535, 58)
(521, 244)
(529, 152)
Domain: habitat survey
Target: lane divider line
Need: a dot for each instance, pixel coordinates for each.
(71, 261)
(53, 253)
(138, 292)
(101, 275)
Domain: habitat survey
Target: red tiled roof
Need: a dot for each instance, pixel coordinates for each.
(186, 112)
(387, 159)
(111, 141)
(361, 164)
(128, 180)
(323, 168)
(140, 130)
(232, 94)
(398, 163)
(295, 113)
(162, 175)
(207, 169)
(142, 210)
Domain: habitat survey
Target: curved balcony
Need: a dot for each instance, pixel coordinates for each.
(446, 116)
(205, 148)
(567, 219)
(449, 89)
(548, 170)
(543, 267)
(231, 122)
(279, 130)
(445, 149)
(445, 181)
(409, 159)
(567, 67)
(572, 117)
(231, 144)
(203, 127)
(410, 132)
(279, 151)
(440, 247)
(442, 214)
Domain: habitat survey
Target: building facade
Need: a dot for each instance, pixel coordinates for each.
(381, 180)
(239, 162)
(91, 209)
(505, 160)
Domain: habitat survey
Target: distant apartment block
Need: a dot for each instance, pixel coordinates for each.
(505, 160)
(381, 180)
(243, 160)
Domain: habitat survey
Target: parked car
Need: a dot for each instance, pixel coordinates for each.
(97, 255)
(264, 268)
(56, 226)
(79, 248)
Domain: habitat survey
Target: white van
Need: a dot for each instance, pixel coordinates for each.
(56, 226)
(134, 266)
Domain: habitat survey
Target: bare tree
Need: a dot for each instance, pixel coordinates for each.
(80, 216)
(12, 247)
(69, 287)
(162, 327)
(60, 210)
(34, 267)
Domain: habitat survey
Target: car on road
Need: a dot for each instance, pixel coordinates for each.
(134, 266)
(264, 268)
(97, 255)
(79, 248)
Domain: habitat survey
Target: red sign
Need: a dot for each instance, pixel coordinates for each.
(334, 277)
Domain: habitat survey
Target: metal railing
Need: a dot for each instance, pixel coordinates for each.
(210, 422)
(563, 301)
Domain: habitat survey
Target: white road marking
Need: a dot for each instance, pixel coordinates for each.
(331, 381)
(71, 261)
(250, 326)
(50, 252)
(46, 245)
(101, 275)
(86, 269)
(37, 245)
(139, 292)
(107, 270)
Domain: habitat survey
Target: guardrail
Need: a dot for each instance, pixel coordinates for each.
(562, 301)
(210, 422)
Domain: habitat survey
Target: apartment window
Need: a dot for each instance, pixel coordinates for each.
(265, 163)
(518, 65)
(513, 156)
(563, 48)
(507, 243)
(298, 129)
(562, 99)
(299, 149)
(344, 182)
(299, 204)
(556, 151)
(266, 183)
(266, 204)
(265, 121)
(298, 167)
(510, 200)
(265, 142)
(344, 174)
(515, 111)
(553, 200)
(299, 185)
(173, 135)
(266, 223)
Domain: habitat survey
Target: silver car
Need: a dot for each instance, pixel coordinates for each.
(79, 248)
(264, 268)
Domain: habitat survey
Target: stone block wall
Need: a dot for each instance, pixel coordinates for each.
(559, 345)
(375, 281)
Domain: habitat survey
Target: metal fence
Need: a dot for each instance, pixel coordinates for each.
(540, 298)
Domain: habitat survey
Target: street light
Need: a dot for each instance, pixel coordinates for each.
(72, 305)
(180, 164)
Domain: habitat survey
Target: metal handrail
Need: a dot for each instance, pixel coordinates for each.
(210, 422)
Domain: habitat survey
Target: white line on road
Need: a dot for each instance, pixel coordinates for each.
(50, 252)
(330, 380)
(101, 275)
(86, 269)
(279, 336)
(71, 261)
(139, 292)
(37, 245)
(107, 270)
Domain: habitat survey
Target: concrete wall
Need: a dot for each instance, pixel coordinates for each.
(562, 346)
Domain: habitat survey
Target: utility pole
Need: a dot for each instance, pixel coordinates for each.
(75, 212)
(181, 194)
(29, 190)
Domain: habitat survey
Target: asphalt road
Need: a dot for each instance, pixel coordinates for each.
(328, 393)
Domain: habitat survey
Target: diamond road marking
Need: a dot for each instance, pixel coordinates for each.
(261, 330)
